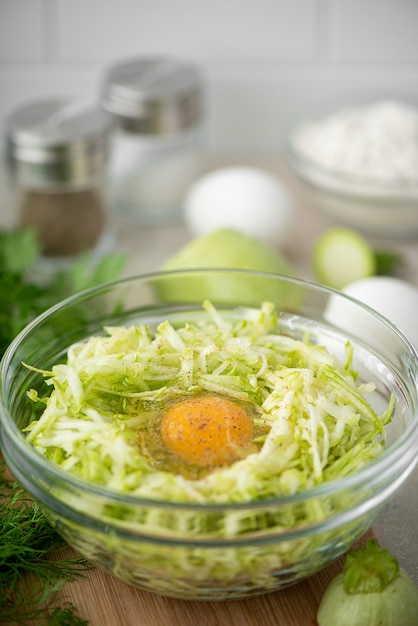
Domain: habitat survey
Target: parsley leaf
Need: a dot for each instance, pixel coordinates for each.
(22, 298)
(31, 569)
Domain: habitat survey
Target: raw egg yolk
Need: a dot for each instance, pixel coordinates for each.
(207, 431)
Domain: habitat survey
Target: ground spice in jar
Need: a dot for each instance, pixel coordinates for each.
(67, 223)
(58, 153)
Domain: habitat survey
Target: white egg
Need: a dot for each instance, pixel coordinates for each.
(392, 297)
(395, 299)
(247, 199)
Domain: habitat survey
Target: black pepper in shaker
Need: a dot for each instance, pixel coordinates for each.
(57, 153)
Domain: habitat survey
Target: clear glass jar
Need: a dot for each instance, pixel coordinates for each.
(156, 105)
(57, 153)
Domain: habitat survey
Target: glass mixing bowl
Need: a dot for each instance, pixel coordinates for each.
(200, 550)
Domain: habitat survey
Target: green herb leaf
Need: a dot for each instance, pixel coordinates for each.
(29, 574)
(82, 274)
(31, 568)
(369, 569)
(387, 261)
(22, 299)
(66, 616)
(18, 250)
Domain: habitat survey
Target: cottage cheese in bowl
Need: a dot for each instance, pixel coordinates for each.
(362, 162)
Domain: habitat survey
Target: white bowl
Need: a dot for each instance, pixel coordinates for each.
(359, 157)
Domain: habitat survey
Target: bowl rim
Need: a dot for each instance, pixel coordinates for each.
(385, 464)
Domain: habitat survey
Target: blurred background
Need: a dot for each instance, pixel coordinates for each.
(263, 63)
(262, 59)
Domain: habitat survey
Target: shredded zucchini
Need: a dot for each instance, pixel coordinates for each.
(317, 420)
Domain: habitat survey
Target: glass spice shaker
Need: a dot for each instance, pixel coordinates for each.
(57, 153)
(156, 105)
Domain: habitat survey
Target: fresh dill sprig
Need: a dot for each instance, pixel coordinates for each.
(31, 569)
(65, 616)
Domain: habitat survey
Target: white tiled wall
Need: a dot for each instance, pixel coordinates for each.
(262, 59)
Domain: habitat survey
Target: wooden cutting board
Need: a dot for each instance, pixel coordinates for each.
(105, 601)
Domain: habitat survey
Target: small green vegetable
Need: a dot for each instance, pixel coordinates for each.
(342, 255)
(371, 590)
(228, 248)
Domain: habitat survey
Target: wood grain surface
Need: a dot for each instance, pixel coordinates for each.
(105, 601)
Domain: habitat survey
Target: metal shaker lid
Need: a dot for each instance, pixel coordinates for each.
(57, 141)
(153, 95)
